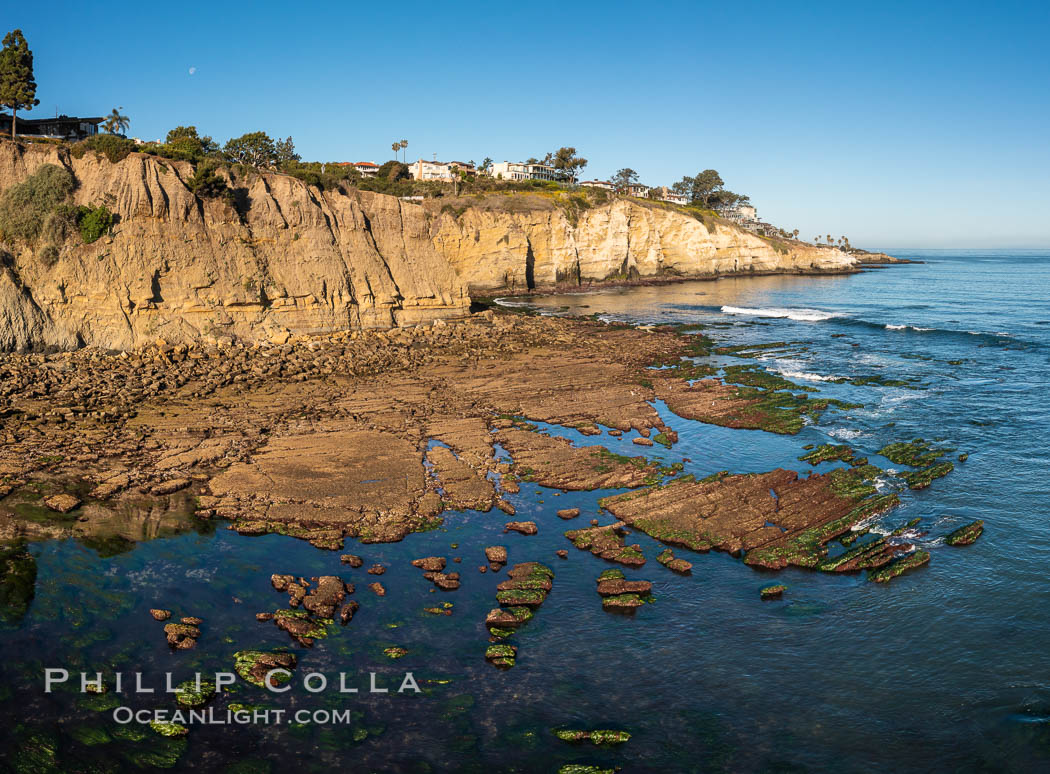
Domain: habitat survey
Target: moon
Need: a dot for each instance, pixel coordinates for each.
(193, 70)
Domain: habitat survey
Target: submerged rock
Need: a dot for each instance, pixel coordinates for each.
(169, 729)
(608, 543)
(253, 666)
(62, 503)
(189, 694)
(17, 581)
(527, 588)
(430, 563)
(346, 614)
(502, 654)
(598, 737)
(899, 567)
(772, 592)
(181, 636)
(350, 559)
(496, 554)
(668, 560)
(965, 536)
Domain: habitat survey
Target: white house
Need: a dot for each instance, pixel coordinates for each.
(510, 170)
(431, 170)
(741, 213)
(604, 184)
(366, 168)
(638, 189)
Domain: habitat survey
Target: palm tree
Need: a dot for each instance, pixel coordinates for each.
(115, 122)
(395, 147)
(403, 144)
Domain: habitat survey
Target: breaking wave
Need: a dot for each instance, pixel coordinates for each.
(803, 315)
(803, 375)
(892, 327)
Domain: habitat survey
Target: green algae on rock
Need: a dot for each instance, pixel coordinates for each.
(253, 666)
(502, 655)
(301, 626)
(169, 729)
(602, 736)
(967, 535)
(772, 592)
(917, 453)
(527, 588)
(920, 479)
(739, 515)
(190, 694)
(622, 602)
(607, 542)
(899, 567)
(828, 453)
(584, 768)
(668, 560)
(17, 581)
(756, 376)
(395, 652)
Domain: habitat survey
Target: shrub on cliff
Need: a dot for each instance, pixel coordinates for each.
(392, 170)
(93, 223)
(113, 147)
(25, 207)
(206, 182)
(325, 176)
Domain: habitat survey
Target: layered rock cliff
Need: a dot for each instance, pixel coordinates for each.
(289, 259)
(285, 259)
(519, 243)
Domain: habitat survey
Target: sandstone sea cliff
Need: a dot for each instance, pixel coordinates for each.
(517, 243)
(283, 259)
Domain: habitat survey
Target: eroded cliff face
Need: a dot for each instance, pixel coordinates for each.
(524, 245)
(289, 260)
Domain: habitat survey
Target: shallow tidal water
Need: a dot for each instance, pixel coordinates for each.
(946, 668)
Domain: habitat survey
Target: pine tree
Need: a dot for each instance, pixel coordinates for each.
(17, 87)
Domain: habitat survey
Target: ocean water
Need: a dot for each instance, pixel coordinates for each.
(944, 669)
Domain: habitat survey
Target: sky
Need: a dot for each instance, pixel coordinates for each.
(894, 124)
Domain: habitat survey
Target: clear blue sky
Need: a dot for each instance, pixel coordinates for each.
(896, 124)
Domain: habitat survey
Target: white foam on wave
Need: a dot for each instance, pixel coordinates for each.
(892, 327)
(803, 315)
(512, 304)
(845, 434)
(805, 376)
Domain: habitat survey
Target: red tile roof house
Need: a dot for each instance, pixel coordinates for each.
(366, 168)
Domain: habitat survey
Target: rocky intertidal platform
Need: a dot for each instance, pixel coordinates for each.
(374, 435)
(773, 519)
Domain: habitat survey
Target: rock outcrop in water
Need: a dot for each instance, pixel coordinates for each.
(281, 258)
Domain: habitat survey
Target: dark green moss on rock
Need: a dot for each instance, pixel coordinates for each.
(965, 536)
